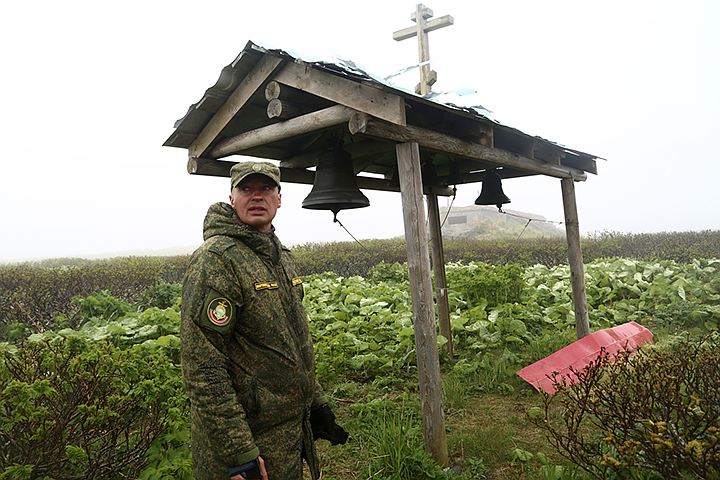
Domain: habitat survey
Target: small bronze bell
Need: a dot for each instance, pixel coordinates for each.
(335, 187)
(492, 192)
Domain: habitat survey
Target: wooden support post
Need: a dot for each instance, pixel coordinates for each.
(408, 157)
(577, 271)
(438, 264)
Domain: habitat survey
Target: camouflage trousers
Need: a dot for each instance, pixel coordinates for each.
(283, 449)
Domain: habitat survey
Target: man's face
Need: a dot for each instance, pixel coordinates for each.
(256, 200)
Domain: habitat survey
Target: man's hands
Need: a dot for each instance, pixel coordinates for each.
(322, 421)
(250, 470)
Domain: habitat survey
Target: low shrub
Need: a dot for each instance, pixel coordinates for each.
(654, 414)
(160, 295)
(72, 408)
(101, 305)
(34, 294)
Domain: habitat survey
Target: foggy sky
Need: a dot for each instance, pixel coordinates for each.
(91, 91)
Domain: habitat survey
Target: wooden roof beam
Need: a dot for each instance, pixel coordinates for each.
(503, 172)
(357, 149)
(364, 98)
(432, 140)
(310, 122)
(583, 162)
(220, 168)
(263, 69)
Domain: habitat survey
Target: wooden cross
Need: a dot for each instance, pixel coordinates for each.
(421, 29)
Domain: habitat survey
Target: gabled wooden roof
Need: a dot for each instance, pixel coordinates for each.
(270, 104)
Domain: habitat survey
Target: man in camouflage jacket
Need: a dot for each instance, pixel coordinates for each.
(247, 356)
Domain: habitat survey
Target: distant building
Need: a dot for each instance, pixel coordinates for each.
(482, 222)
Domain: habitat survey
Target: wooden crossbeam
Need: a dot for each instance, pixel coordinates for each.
(282, 109)
(440, 142)
(358, 96)
(410, 32)
(357, 149)
(325, 118)
(503, 172)
(221, 168)
(252, 81)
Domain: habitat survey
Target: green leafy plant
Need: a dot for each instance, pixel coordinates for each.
(473, 468)
(101, 305)
(479, 283)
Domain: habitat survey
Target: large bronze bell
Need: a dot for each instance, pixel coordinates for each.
(335, 187)
(492, 192)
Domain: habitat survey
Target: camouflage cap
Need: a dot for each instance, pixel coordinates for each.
(241, 170)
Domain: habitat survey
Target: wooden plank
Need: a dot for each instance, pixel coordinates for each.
(437, 254)
(582, 162)
(477, 132)
(409, 32)
(440, 142)
(575, 258)
(328, 117)
(221, 168)
(259, 74)
(548, 152)
(408, 157)
(364, 98)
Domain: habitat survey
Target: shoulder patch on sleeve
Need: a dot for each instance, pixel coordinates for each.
(218, 313)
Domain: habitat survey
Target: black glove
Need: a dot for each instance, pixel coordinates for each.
(249, 470)
(322, 421)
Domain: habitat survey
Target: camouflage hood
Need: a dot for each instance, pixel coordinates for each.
(221, 219)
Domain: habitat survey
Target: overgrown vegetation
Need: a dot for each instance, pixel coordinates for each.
(655, 414)
(73, 408)
(109, 356)
(34, 293)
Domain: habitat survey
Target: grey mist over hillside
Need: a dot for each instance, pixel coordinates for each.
(486, 223)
